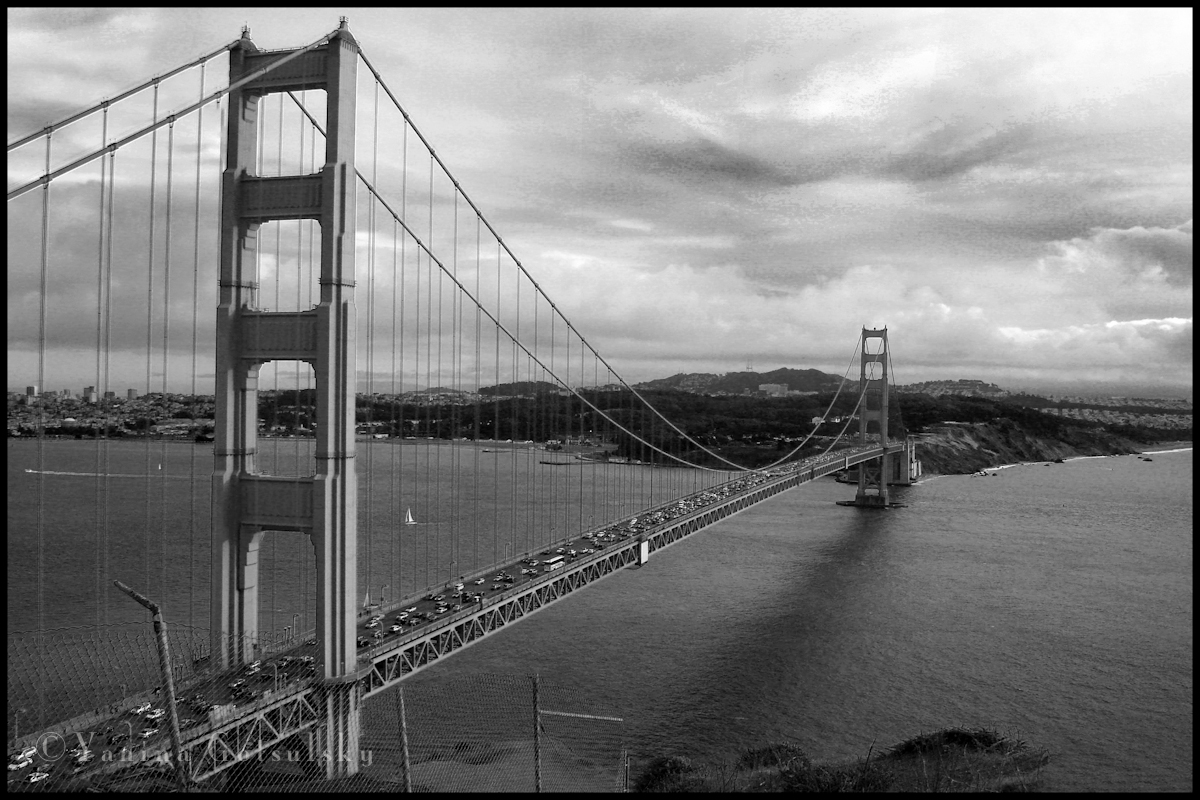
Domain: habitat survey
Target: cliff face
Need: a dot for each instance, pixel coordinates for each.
(960, 449)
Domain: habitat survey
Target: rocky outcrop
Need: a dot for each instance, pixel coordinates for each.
(963, 448)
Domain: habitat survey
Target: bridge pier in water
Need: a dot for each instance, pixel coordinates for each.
(245, 502)
(873, 475)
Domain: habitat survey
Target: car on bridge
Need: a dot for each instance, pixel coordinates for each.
(23, 753)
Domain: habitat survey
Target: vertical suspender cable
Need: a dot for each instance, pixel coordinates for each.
(107, 315)
(418, 407)
(437, 552)
(41, 436)
(437, 470)
(166, 294)
(478, 397)
(496, 421)
(195, 322)
(535, 377)
(370, 399)
(516, 403)
(101, 544)
(456, 383)
(403, 333)
(150, 325)
(393, 572)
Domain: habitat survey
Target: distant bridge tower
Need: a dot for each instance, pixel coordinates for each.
(245, 502)
(873, 475)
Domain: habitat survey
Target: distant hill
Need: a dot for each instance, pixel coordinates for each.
(521, 389)
(797, 380)
(966, 388)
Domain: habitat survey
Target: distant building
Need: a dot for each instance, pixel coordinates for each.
(773, 389)
(31, 391)
(131, 394)
(89, 394)
(110, 395)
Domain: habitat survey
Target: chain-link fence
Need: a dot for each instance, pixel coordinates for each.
(88, 709)
(494, 733)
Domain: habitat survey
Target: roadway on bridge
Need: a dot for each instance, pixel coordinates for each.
(142, 722)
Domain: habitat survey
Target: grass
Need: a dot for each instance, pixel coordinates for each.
(948, 760)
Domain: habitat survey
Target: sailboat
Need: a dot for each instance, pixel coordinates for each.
(408, 518)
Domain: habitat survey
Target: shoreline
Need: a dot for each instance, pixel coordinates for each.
(988, 470)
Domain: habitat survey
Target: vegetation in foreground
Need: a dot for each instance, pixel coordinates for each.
(949, 760)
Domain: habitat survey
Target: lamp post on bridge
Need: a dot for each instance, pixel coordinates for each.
(507, 548)
(450, 577)
(295, 626)
(381, 588)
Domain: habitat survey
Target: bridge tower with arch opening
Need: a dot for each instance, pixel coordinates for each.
(873, 475)
(245, 502)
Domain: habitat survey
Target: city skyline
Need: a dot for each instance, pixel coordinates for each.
(1009, 191)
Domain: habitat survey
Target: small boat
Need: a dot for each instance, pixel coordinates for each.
(408, 518)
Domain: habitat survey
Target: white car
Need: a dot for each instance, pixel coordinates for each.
(143, 708)
(156, 713)
(396, 629)
(34, 777)
(410, 610)
(373, 623)
(13, 766)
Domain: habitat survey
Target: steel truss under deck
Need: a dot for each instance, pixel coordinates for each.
(268, 723)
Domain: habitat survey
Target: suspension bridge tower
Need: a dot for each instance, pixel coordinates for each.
(245, 502)
(873, 475)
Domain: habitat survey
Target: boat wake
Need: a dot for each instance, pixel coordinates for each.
(156, 475)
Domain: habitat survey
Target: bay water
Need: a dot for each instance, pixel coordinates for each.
(1051, 601)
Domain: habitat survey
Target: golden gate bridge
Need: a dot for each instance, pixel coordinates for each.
(381, 357)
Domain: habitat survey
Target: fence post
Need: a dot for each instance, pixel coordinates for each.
(404, 740)
(537, 739)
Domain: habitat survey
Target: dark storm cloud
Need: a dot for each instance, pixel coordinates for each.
(948, 153)
(702, 162)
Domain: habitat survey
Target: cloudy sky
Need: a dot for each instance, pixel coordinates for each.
(1008, 191)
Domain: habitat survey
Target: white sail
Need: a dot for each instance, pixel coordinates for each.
(408, 518)
(367, 599)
